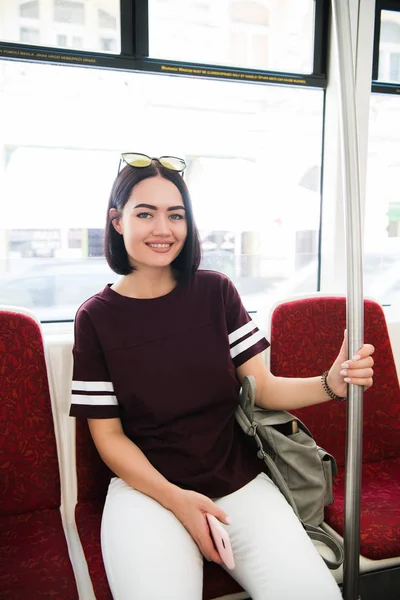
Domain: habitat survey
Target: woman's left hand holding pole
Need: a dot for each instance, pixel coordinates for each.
(356, 370)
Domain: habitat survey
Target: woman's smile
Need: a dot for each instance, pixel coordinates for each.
(160, 247)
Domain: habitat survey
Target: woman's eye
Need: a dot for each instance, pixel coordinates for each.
(176, 217)
(144, 215)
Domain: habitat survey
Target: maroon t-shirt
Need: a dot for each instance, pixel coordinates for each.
(167, 368)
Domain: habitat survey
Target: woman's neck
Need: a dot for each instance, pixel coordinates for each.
(146, 283)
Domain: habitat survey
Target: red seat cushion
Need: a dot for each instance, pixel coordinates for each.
(88, 520)
(380, 509)
(34, 560)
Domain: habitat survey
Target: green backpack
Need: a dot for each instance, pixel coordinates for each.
(302, 471)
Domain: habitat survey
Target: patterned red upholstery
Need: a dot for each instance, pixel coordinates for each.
(305, 338)
(93, 477)
(34, 560)
(380, 510)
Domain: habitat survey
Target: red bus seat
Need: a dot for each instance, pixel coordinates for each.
(34, 559)
(93, 476)
(306, 335)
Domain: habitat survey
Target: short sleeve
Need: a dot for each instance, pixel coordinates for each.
(93, 394)
(245, 338)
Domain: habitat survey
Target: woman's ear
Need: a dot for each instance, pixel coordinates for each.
(114, 215)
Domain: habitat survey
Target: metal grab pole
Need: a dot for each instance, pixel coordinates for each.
(355, 301)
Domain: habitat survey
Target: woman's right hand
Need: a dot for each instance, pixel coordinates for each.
(191, 508)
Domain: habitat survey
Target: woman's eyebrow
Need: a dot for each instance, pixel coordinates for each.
(151, 207)
(146, 206)
(179, 206)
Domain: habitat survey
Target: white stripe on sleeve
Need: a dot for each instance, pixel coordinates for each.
(239, 333)
(247, 343)
(110, 400)
(92, 386)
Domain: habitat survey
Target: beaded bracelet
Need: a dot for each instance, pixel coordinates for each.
(328, 390)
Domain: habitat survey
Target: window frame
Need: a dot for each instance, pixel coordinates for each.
(381, 87)
(134, 54)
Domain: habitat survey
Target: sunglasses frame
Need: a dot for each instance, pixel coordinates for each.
(122, 159)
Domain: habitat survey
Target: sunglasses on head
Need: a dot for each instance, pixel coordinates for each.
(138, 161)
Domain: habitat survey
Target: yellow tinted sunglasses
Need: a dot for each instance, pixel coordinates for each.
(137, 160)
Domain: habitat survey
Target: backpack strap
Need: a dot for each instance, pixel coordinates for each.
(316, 534)
(247, 396)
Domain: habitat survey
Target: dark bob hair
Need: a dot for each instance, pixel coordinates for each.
(188, 260)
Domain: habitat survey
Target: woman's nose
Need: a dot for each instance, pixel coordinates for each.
(161, 225)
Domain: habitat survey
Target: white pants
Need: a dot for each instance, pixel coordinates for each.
(149, 555)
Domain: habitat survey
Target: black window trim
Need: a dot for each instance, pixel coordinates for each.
(377, 86)
(134, 55)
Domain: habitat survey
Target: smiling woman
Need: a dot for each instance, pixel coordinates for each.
(146, 349)
(150, 226)
(153, 226)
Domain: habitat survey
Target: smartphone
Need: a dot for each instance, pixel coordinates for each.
(288, 428)
(221, 541)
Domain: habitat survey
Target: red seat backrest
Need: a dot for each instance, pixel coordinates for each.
(306, 336)
(29, 475)
(92, 473)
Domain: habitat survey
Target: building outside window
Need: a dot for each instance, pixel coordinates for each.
(45, 22)
(389, 47)
(29, 9)
(29, 35)
(67, 11)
